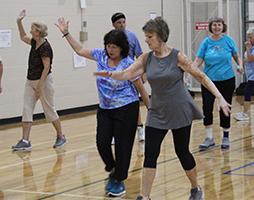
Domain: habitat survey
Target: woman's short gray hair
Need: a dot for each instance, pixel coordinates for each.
(41, 27)
(250, 31)
(158, 26)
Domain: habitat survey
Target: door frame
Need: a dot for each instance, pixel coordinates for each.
(188, 28)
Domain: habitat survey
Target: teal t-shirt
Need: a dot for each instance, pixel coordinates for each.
(217, 56)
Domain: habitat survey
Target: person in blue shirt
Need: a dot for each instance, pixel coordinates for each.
(249, 70)
(117, 114)
(216, 51)
(119, 23)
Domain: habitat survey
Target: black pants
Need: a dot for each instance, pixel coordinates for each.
(227, 89)
(120, 123)
(181, 138)
(248, 90)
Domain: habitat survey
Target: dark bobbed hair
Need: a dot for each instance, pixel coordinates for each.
(118, 38)
(158, 26)
(217, 19)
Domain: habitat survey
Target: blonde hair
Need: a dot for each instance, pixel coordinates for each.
(41, 27)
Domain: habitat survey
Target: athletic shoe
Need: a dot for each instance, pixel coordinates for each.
(208, 142)
(141, 133)
(196, 194)
(241, 116)
(225, 143)
(22, 146)
(60, 141)
(110, 182)
(117, 190)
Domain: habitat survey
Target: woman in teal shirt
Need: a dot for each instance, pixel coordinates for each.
(216, 51)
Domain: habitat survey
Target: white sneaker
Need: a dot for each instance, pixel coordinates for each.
(141, 134)
(241, 116)
(113, 141)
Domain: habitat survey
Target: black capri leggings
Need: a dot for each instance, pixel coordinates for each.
(248, 90)
(181, 137)
(227, 89)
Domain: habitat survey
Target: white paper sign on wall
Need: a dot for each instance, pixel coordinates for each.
(82, 3)
(78, 61)
(5, 38)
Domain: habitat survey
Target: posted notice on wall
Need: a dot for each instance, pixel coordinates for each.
(5, 38)
(79, 61)
(152, 15)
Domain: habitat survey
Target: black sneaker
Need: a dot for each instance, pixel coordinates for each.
(60, 141)
(22, 146)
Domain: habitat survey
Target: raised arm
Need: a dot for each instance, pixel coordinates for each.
(63, 26)
(187, 65)
(22, 34)
(132, 72)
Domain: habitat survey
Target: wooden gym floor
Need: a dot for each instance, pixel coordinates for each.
(76, 171)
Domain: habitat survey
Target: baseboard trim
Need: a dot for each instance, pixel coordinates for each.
(39, 116)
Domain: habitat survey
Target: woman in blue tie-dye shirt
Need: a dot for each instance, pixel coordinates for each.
(119, 104)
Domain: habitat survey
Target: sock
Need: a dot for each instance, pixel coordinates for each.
(26, 141)
(209, 132)
(225, 132)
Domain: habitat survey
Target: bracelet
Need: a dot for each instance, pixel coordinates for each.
(237, 67)
(64, 35)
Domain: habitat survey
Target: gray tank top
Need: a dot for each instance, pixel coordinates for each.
(171, 105)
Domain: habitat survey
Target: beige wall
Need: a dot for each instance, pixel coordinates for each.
(73, 87)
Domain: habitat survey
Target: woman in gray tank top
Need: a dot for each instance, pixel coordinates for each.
(171, 106)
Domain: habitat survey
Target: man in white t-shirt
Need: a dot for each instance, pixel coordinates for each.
(1, 73)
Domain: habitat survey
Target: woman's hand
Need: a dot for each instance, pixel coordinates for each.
(103, 73)
(222, 104)
(63, 25)
(240, 69)
(38, 90)
(21, 15)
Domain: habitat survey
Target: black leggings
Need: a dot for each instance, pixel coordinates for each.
(181, 137)
(120, 123)
(248, 90)
(227, 89)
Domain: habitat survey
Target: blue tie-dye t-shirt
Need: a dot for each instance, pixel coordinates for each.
(113, 93)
